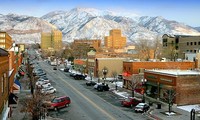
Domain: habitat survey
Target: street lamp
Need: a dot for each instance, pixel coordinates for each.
(144, 85)
(104, 71)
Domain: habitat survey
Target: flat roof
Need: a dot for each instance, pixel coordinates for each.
(175, 72)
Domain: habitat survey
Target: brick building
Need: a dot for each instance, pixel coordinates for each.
(130, 68)
(96, 44)
(115, 40)
(185, 83)
(4, 83)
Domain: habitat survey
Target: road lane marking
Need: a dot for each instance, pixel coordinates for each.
(103, 111)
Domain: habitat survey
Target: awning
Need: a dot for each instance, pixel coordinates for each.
(16, 86)
(12, 99)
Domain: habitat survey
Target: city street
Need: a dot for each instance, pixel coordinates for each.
(87, 103)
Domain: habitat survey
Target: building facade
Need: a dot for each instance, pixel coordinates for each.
(56, 39)
(4, 83)
(5, 41)
(184, 85)
(46, 41)
(52, 40)
(115, 40)
(96, 44)
(131, 68)
(181, 44)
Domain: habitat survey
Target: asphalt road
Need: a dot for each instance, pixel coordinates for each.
(86, 103)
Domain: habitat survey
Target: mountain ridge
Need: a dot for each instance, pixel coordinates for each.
(90, 23)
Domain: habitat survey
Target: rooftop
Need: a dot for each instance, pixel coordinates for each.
(176, 72)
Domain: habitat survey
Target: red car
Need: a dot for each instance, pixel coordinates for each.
(59, 102)
(130, 102)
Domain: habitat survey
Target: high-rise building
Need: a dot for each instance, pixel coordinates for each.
(115, 40)
(51, 40)
(5, 40)
(56, 39)
(46, 41)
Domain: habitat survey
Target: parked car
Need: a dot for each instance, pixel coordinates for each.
(58, 102)
(142, 107)
(66, 70)
(48, 90)
(103, 87)
(43, 80)
(90, 83)
(42, 84)
(79, 77)
(130, 102)
(54, 68)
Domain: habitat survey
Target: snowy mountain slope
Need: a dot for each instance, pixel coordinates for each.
(24, 29)
(90, 23)
(161, 25)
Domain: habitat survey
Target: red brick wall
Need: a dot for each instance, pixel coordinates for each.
(188, 90)
(133, 67)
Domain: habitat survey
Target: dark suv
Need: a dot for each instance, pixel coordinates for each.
(103, 87)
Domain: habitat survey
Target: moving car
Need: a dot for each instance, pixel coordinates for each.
(130, 102)
(58, 102)
(142, 107)
(90, 83)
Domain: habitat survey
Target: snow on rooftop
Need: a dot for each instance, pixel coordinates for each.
(188, 108)
(176, 72)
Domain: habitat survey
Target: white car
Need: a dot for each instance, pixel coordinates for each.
(43, 80)
(95, 86)
(48, 90)
(45, 85)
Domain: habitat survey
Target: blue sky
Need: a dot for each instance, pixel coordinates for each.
(185, 11)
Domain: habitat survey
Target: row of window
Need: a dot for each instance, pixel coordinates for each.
(3, 46)
(193, 43)
(3, 83)
(2, 40)
(192, 51)
(2, 35)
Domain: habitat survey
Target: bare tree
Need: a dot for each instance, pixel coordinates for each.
(114, 75)
(136, 80)
(169, 96)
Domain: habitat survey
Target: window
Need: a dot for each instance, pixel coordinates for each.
(195, 43)
(2, 84)
(198, 43)
(191, 43)
(187, 43)
(2, 34)
(191, 51)
(195, 51)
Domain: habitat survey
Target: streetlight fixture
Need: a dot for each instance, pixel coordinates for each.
(104, 71)
(144, 85)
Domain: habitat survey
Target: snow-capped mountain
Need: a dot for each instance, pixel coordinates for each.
(90, 23)
(24, 29)
(93, 23)
(197, 28)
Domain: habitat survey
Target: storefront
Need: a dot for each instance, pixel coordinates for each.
(184, 85)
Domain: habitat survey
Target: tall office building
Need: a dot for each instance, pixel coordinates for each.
(56, 39)
(115, 40)
(5, 41)
(46, 41)
(52, 40)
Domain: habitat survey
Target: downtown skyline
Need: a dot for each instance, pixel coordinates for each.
(180, 10)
